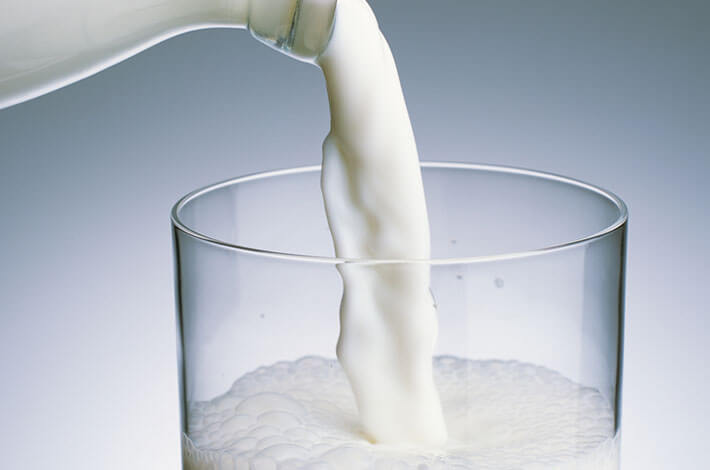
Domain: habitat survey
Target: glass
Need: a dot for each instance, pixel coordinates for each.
(40, 53)
(527, 272)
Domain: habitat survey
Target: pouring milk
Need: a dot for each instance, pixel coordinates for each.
(499, 415)
(374, 200)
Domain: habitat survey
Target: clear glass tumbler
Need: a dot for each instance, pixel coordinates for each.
(527, 273)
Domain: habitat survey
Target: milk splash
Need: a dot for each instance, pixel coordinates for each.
(374, 199)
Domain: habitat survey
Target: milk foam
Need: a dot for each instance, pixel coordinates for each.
(374, 199)
(500, 415)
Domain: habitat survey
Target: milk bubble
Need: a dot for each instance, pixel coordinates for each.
(500, 415)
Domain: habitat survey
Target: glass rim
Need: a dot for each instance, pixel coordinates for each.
(620, 221)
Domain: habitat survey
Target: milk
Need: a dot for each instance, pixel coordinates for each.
(376, 209)
(375, 204)
(501, 415)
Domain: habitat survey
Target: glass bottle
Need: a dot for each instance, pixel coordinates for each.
(46, 44)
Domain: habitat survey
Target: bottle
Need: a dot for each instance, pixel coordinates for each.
(47, 44)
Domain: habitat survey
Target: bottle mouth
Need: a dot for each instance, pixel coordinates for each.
(300, 29)
(619, 221)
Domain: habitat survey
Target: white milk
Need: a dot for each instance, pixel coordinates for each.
(375, 204)
(376, 210)
(501, 416)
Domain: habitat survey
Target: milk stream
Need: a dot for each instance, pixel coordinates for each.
(501, 415)
(374, 199)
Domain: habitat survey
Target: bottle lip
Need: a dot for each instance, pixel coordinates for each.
(620, 221)
(289, 38)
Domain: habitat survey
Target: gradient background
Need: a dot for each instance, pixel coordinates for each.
(612, 92)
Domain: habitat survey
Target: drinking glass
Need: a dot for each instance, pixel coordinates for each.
(527, 274)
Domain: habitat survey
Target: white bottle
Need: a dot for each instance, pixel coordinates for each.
(46, 44)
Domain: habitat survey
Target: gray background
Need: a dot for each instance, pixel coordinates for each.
(612, 92)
